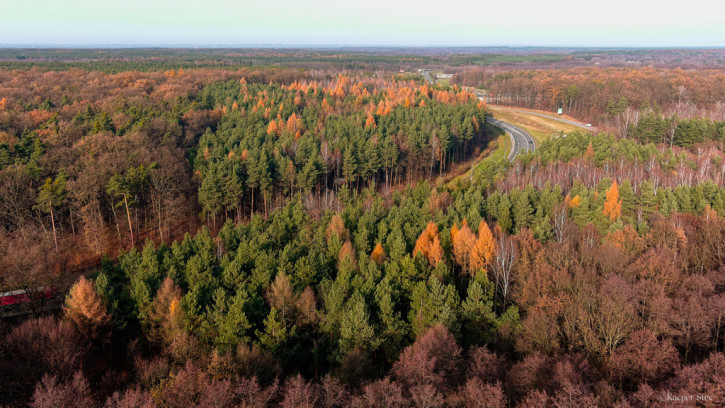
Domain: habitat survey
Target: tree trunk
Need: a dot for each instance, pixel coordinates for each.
(160, 212)
(72, 224)
(130, 225)
(52, 221)
(115, 219)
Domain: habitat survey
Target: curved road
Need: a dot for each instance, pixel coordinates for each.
(521, 141)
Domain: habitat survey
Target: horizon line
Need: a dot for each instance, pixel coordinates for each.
(337, 46)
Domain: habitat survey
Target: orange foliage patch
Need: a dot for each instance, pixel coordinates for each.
(612, 205)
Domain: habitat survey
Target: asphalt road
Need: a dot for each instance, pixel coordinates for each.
(521, 141)
(427, 77)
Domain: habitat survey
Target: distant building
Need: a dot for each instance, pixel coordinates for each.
(444, 76)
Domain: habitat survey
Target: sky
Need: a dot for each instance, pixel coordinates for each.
(604, 23)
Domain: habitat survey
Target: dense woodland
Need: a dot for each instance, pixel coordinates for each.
(280, 237)
(369, 59)
(674, 106)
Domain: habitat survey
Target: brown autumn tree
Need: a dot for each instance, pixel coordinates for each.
(38, 347)
(130, 398)
(705, 378)
(643, 359)
(692, 317)
(347, 254)
(307, 307)
(298, 393)
(434, 358)
(85, 308)
(280, 295)
(76, 393)
(486, 365)
(381, 393)
(478, 394)
(336, 227)
(483, 249)
(612, 204)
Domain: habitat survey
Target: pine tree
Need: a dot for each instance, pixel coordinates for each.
(480, 321)
(276, 333)
(211, 196)
(503, 213)
(433, 302)
(349, 167)
(647, 198)
(628, 198)
(128, 186)
(355, 329)
(393, 328)
(265, 180)
(523, 211)
(52, 194)
(232, 324)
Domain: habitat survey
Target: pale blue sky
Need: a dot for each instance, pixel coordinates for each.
(365, 22)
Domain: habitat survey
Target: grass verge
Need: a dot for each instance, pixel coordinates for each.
(540, 128)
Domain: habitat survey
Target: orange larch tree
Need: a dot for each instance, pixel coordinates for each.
(370, 122)
(483, 250)
(462, 240)
(85, 308)
(429, 244)
(272, 128)
(347, 253)
(572, 202)
(435, 252)
(612, 204)
(336, 227)
(378, 254)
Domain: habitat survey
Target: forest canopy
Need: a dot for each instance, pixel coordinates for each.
(284, 237)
